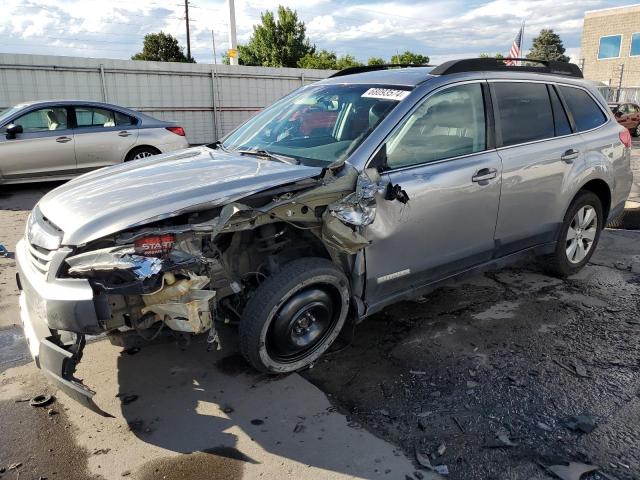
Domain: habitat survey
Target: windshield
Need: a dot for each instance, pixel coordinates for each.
(317, 125)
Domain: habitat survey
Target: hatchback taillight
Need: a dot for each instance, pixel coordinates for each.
(177, 131)
(625, 138)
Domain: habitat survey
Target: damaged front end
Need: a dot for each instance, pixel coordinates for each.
(181, 274)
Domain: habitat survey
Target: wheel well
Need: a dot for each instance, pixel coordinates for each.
(601, 189)
(138, 147)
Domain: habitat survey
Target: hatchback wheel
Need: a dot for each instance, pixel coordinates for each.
(579, 235)
(294, 316)
(141, 152)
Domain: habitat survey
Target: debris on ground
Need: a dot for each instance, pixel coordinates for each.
(14, 466)
(441, 449)
(3, 251)
(41, 400)
(423, 459)
(581, 423)
(127, 399)
(501, 440)
(572, 471)
(578, 369)
(543, 426)
(441, 469)
(299, 428)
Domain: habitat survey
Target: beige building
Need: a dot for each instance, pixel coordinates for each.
(611, 46)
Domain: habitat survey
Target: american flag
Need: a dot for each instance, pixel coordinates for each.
(515, 51)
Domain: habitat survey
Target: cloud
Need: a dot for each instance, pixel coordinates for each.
(440, 29)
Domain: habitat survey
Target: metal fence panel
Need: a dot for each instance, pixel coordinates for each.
(203, 98)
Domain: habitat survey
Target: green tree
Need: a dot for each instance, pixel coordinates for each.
(347, 61)
(322, 59)
(376, 61)
(410, 57)
(547, 46)
(162, 47)
(499, 56)
(276, 42)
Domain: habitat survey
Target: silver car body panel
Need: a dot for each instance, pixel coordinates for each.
(48, 155)
(109, 200)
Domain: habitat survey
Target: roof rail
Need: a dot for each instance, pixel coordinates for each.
(494, 64)
(373, 68)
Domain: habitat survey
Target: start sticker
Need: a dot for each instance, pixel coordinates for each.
(386, 94)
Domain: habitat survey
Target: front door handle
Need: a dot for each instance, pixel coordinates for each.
(570, 155)
(63, 139)
(484, 174)
(124, 133)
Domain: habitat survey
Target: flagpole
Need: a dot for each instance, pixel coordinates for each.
(522, 40)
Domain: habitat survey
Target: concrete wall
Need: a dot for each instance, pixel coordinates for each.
(207, 100)
(613, 21)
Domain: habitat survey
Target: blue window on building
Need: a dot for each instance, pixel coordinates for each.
(609, 47)
(635, 45)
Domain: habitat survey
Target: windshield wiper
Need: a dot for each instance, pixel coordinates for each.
(273, 156)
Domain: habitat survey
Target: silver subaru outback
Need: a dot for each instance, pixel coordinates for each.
(370, 187)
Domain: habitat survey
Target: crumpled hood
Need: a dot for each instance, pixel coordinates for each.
(114, 198)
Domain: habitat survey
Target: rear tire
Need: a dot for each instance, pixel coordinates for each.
(141, 152)
(294, 316)
(579, 235)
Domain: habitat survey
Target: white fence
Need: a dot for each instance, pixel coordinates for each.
(207, 100)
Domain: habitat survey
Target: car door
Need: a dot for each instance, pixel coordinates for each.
(536, 159)
(103, 136)
(44, 148)
(440, 156)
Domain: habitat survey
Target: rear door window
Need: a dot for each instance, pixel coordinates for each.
(586, 112)
(524, 112)
(95, 117)
(560, 120)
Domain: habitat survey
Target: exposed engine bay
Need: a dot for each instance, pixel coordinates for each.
(184, 272)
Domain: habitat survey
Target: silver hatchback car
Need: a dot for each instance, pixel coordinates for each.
(348, 195)
(57, 140)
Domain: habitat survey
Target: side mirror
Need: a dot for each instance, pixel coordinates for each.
(13, 130)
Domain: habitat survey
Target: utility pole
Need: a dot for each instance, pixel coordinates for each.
(186, 14)
(233, 43)
(620, 82)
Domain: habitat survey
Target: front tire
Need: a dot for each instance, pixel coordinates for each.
(294, 316)
(579, 235)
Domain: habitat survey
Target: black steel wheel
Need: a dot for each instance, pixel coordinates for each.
(294, 316)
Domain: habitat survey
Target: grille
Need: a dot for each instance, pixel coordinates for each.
(40, 258)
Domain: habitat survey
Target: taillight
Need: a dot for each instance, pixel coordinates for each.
(625, 138)
(177, 131)
(154, 245)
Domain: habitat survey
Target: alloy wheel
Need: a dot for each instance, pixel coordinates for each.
(581, 234)
(143, 154)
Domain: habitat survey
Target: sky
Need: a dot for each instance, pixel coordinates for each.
(440, 29)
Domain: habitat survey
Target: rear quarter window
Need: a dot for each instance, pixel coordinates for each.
(584, 109)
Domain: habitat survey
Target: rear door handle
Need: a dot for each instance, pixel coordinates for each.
(484, 174)
(63, 139)
(570, 155)
(124, 133)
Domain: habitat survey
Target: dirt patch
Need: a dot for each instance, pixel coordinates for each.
(220, 463)
(40, 439)
(483, 376)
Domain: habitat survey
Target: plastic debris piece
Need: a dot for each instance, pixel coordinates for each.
(441, 469)
(423, 459)
(581, 423)
(3, 251)
(441, 449)
(41, 400)
(573, 471)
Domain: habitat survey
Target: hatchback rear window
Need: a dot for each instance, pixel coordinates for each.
(524, 111)
(585, 111)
